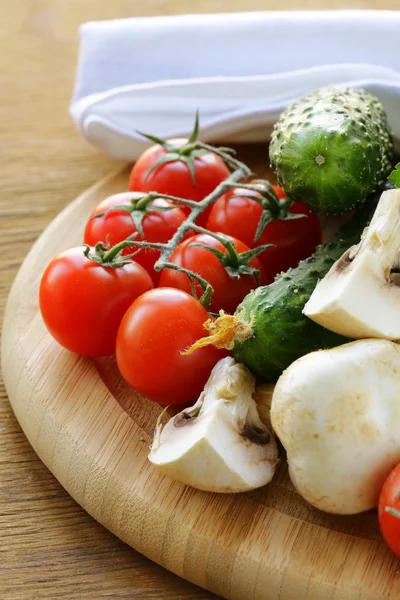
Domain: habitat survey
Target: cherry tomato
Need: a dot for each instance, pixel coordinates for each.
(279, 191)
(158, 226)
(154, 332)
(294, 239)
(228, 291)
(174, 178)
(389, 510)
(82, 302)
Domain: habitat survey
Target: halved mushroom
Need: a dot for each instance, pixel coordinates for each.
(220, 443)
(359, 297)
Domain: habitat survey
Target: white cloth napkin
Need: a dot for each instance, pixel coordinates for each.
(240, 70)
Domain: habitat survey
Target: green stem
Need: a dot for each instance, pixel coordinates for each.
(266, 191)
(142, 203)
(189, 203)
(200, 229)
(115, 250)
(232, 255)
(188, 149)
(230, 160)
(146, 245)
(205, 286)
(197, 208)
(242, 171)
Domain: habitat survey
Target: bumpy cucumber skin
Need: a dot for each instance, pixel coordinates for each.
(281, 333)
(332, 148)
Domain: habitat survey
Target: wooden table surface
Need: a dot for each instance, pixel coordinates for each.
(49, 547)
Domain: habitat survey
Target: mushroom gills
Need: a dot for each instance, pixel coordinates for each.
(220, 444)
(359, 297)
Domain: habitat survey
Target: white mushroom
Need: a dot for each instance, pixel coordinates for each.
(358, 297)
(219, 444)
(337, 413)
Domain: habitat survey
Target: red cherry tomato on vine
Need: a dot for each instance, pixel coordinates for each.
(174, 178)
(389, 510)
(294, 239)
(158, 226)
(82, 302)
(228, 291)
(154, 332)
(279, 191)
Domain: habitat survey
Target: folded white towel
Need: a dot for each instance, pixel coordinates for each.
(240, 70)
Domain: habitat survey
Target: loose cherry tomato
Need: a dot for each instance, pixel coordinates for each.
(229, 290)
(83, 302)
(294, 239)
(389, 510)
(154, 332)
(117, 225)
(189, 174)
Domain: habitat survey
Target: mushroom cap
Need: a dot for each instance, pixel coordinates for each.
(358, 298)
(337, 413)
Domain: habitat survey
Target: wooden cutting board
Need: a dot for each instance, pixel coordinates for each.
(93, 432)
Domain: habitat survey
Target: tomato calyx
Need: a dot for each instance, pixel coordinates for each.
(274, 208)
(112, 257)
(137, 208)
(235, 263)
(207, 289)
(188, 152)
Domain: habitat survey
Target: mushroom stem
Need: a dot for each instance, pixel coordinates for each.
(220, 444)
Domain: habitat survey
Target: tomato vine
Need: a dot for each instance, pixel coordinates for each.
(240, 171)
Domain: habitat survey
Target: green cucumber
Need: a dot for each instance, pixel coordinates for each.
(281, 333)
(332, 148)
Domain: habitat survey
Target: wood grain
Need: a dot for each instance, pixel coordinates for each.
(49, 547)
(93, 432)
